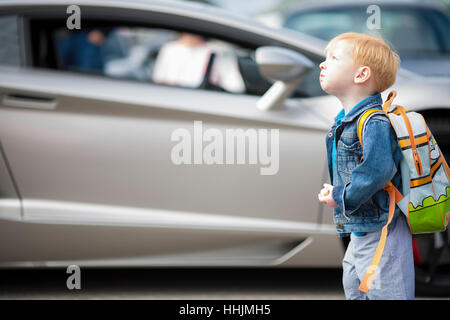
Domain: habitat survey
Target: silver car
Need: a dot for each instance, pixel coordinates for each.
(87, 173)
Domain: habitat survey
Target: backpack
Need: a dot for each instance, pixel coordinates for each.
(425, 196)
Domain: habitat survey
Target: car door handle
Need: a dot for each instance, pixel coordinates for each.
(29, 101)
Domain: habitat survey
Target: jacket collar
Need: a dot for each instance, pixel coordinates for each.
(361, 106)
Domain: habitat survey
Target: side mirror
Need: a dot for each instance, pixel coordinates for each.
(286, 68)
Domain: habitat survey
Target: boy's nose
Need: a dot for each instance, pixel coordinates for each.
(322, 65)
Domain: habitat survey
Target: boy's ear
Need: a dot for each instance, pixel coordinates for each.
(363, 74)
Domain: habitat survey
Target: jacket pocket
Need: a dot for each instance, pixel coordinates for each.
(349, 157)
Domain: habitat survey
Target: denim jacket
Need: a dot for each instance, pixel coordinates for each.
(358, 185)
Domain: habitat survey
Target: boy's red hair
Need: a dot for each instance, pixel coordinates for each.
(373, 52)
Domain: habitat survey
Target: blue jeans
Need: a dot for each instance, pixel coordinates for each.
(394, 278)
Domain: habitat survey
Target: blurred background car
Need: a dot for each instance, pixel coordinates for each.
(86, 175)
(417, 30)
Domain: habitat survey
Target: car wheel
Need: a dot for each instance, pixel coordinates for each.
(432, 251)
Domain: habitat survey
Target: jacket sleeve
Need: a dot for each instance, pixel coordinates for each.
(374, 172)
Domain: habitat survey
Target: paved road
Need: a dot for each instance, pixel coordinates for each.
(174, 284)
(168, 284)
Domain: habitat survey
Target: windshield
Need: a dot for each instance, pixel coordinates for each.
(412, 32)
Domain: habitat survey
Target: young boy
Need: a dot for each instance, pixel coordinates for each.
(358, 67)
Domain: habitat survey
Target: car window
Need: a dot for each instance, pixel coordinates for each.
(442, 25)
(410, 31)
(9, 49)
(325, 25)
(155, 55)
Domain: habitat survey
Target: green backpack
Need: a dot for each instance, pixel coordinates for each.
(425, 198)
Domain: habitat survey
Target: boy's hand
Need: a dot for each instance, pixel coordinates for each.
(325, 196)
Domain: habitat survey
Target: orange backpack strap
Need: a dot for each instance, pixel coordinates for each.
(412, 139)
(389, 100)
(394, 196)
(370, 272)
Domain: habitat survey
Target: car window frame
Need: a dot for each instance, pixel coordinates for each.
(153, 19)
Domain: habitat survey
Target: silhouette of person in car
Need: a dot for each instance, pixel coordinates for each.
(191, 61)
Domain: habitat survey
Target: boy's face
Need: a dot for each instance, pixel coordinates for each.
(338, 70)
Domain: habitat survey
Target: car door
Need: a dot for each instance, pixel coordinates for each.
(93, 158)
